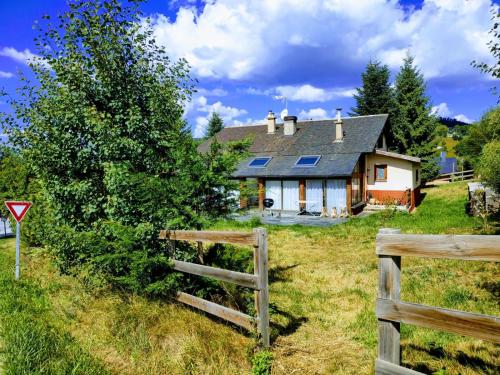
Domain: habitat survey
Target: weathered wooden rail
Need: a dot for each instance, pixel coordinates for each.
(258, 281)
(456, 176)
(391, 312)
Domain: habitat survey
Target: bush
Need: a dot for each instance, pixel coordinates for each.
(129, 257)
(489, 165)
(478, 135)
(262, 362)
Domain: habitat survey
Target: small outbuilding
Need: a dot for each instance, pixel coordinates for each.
(321, 165)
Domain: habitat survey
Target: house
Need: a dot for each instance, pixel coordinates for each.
(316, 166)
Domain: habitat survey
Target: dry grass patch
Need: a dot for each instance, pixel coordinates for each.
(323, 285)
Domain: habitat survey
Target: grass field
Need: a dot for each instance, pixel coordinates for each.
(322, 291)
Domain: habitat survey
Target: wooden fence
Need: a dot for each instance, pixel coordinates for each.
(258, 281)
(455, 176)
(390, 246)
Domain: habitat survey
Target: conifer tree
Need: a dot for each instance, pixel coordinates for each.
(414, 129)
(375, 96)
(215, 125)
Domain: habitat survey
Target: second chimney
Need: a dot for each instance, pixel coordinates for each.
(339, 132)
(290, 125)
(271, 123)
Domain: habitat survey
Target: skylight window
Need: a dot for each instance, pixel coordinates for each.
(259, 162)
(307, 161)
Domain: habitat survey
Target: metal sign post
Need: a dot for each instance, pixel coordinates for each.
(18, 248)
(18, 209)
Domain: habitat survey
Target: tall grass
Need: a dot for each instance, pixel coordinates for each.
(323, 285)
(32, 344)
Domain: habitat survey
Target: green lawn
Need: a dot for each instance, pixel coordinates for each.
(323, 288)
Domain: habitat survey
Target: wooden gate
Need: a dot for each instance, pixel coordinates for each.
(258, 281)
(390, 246)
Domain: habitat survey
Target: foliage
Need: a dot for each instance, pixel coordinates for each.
(215, 125)
(489, 166)
(18, 183)
(102, 130)
(414, 129)
(14, 175)
(376, 95)
(479, 134)
(494, 46)
(262, 362)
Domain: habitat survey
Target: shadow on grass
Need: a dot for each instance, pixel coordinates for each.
(278, 273)
(421, 199)
(466, 360)
(293, 324)
(492, 287)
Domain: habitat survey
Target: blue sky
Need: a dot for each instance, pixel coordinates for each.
(245, 53)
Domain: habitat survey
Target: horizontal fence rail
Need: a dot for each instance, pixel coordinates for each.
(483, 327)
(258, 281)
(465, 247)
(235, 238)
(391, 312)
(460, 175)
(239, 278)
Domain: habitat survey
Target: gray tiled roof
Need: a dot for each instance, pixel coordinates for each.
(311, 138)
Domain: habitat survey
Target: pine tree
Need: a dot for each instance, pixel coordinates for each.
(375, 96)
(215, 125)
(414, 129)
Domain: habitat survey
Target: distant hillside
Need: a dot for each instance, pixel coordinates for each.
(451, 122)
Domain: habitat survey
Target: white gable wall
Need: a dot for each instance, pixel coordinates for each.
(400, 173)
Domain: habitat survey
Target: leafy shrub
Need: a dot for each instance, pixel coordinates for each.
(102, 130)
(489, 164)
(128, 257)
(262, 362)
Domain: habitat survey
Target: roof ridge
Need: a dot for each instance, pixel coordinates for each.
(306, 120)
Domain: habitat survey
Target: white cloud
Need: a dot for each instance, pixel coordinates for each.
(463, 118)
(200, 127)
(308, 93)
(314, 114)
(241, 39)
(254, 91)
(228, 114)
(6, 74)
(213, 92)
(24, 57)
(441, 110)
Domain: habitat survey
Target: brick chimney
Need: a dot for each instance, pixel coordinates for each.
(339, 132)
(271, 123)
(290, 125)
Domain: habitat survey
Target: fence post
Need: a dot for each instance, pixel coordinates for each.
(262, 295)
(389, 287)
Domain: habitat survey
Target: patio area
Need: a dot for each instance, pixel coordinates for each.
(292, 219)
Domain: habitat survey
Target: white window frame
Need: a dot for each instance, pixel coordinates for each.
(308, 156)
(260, 157)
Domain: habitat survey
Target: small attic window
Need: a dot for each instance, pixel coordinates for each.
(307, 161)
(259, 162)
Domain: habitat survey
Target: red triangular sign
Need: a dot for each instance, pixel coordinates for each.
(18, 209)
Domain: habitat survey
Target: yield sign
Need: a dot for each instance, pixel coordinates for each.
(18, 209)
